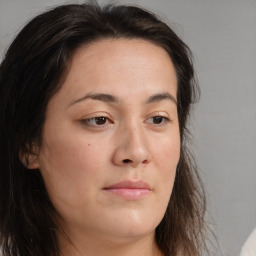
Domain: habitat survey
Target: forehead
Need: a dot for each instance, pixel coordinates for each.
(122, 52)
(120, 66)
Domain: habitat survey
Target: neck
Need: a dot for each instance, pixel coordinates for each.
(101, 246)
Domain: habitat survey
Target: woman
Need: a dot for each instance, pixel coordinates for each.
(94, 110)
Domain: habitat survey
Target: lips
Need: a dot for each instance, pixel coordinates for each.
(130, 190)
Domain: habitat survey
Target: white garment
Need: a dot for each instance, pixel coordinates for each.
(249, 248)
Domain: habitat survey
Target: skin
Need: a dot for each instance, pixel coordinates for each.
(133, 138)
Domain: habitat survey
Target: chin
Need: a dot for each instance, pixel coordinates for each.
(129, 228)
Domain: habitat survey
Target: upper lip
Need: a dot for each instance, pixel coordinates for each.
(128, 184)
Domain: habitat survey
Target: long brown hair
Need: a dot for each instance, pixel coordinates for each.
(31, 73)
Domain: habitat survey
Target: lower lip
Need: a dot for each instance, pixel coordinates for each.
(128, 193)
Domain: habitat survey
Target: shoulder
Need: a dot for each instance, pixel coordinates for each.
(249, 248)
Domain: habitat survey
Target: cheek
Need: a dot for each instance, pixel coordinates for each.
(167, 154)
(70, 167)
(166, 158)
(69, 156)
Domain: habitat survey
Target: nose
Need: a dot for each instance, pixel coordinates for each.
(132, 149)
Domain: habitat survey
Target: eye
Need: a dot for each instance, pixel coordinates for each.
(96, 121)
(159, 120)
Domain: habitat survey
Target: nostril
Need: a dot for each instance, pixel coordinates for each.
(127, 161)
(145, 162)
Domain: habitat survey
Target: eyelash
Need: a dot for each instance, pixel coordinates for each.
(106, 120)
(88, 121)
(166, 119)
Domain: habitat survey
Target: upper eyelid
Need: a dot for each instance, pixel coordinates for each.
(167, 119)
(96, 114)
(86, 122)
(94, 117)
(158, 113)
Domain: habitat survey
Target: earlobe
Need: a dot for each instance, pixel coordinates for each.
(30, 159)
(33, 162)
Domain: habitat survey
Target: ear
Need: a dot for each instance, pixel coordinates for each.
(29, 158)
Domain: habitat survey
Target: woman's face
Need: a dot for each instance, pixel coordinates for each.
(111, 140)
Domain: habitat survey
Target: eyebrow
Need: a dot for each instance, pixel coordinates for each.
(161, 96)
(108, 98)
(97, 96)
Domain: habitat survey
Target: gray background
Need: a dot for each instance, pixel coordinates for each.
(222, 36)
